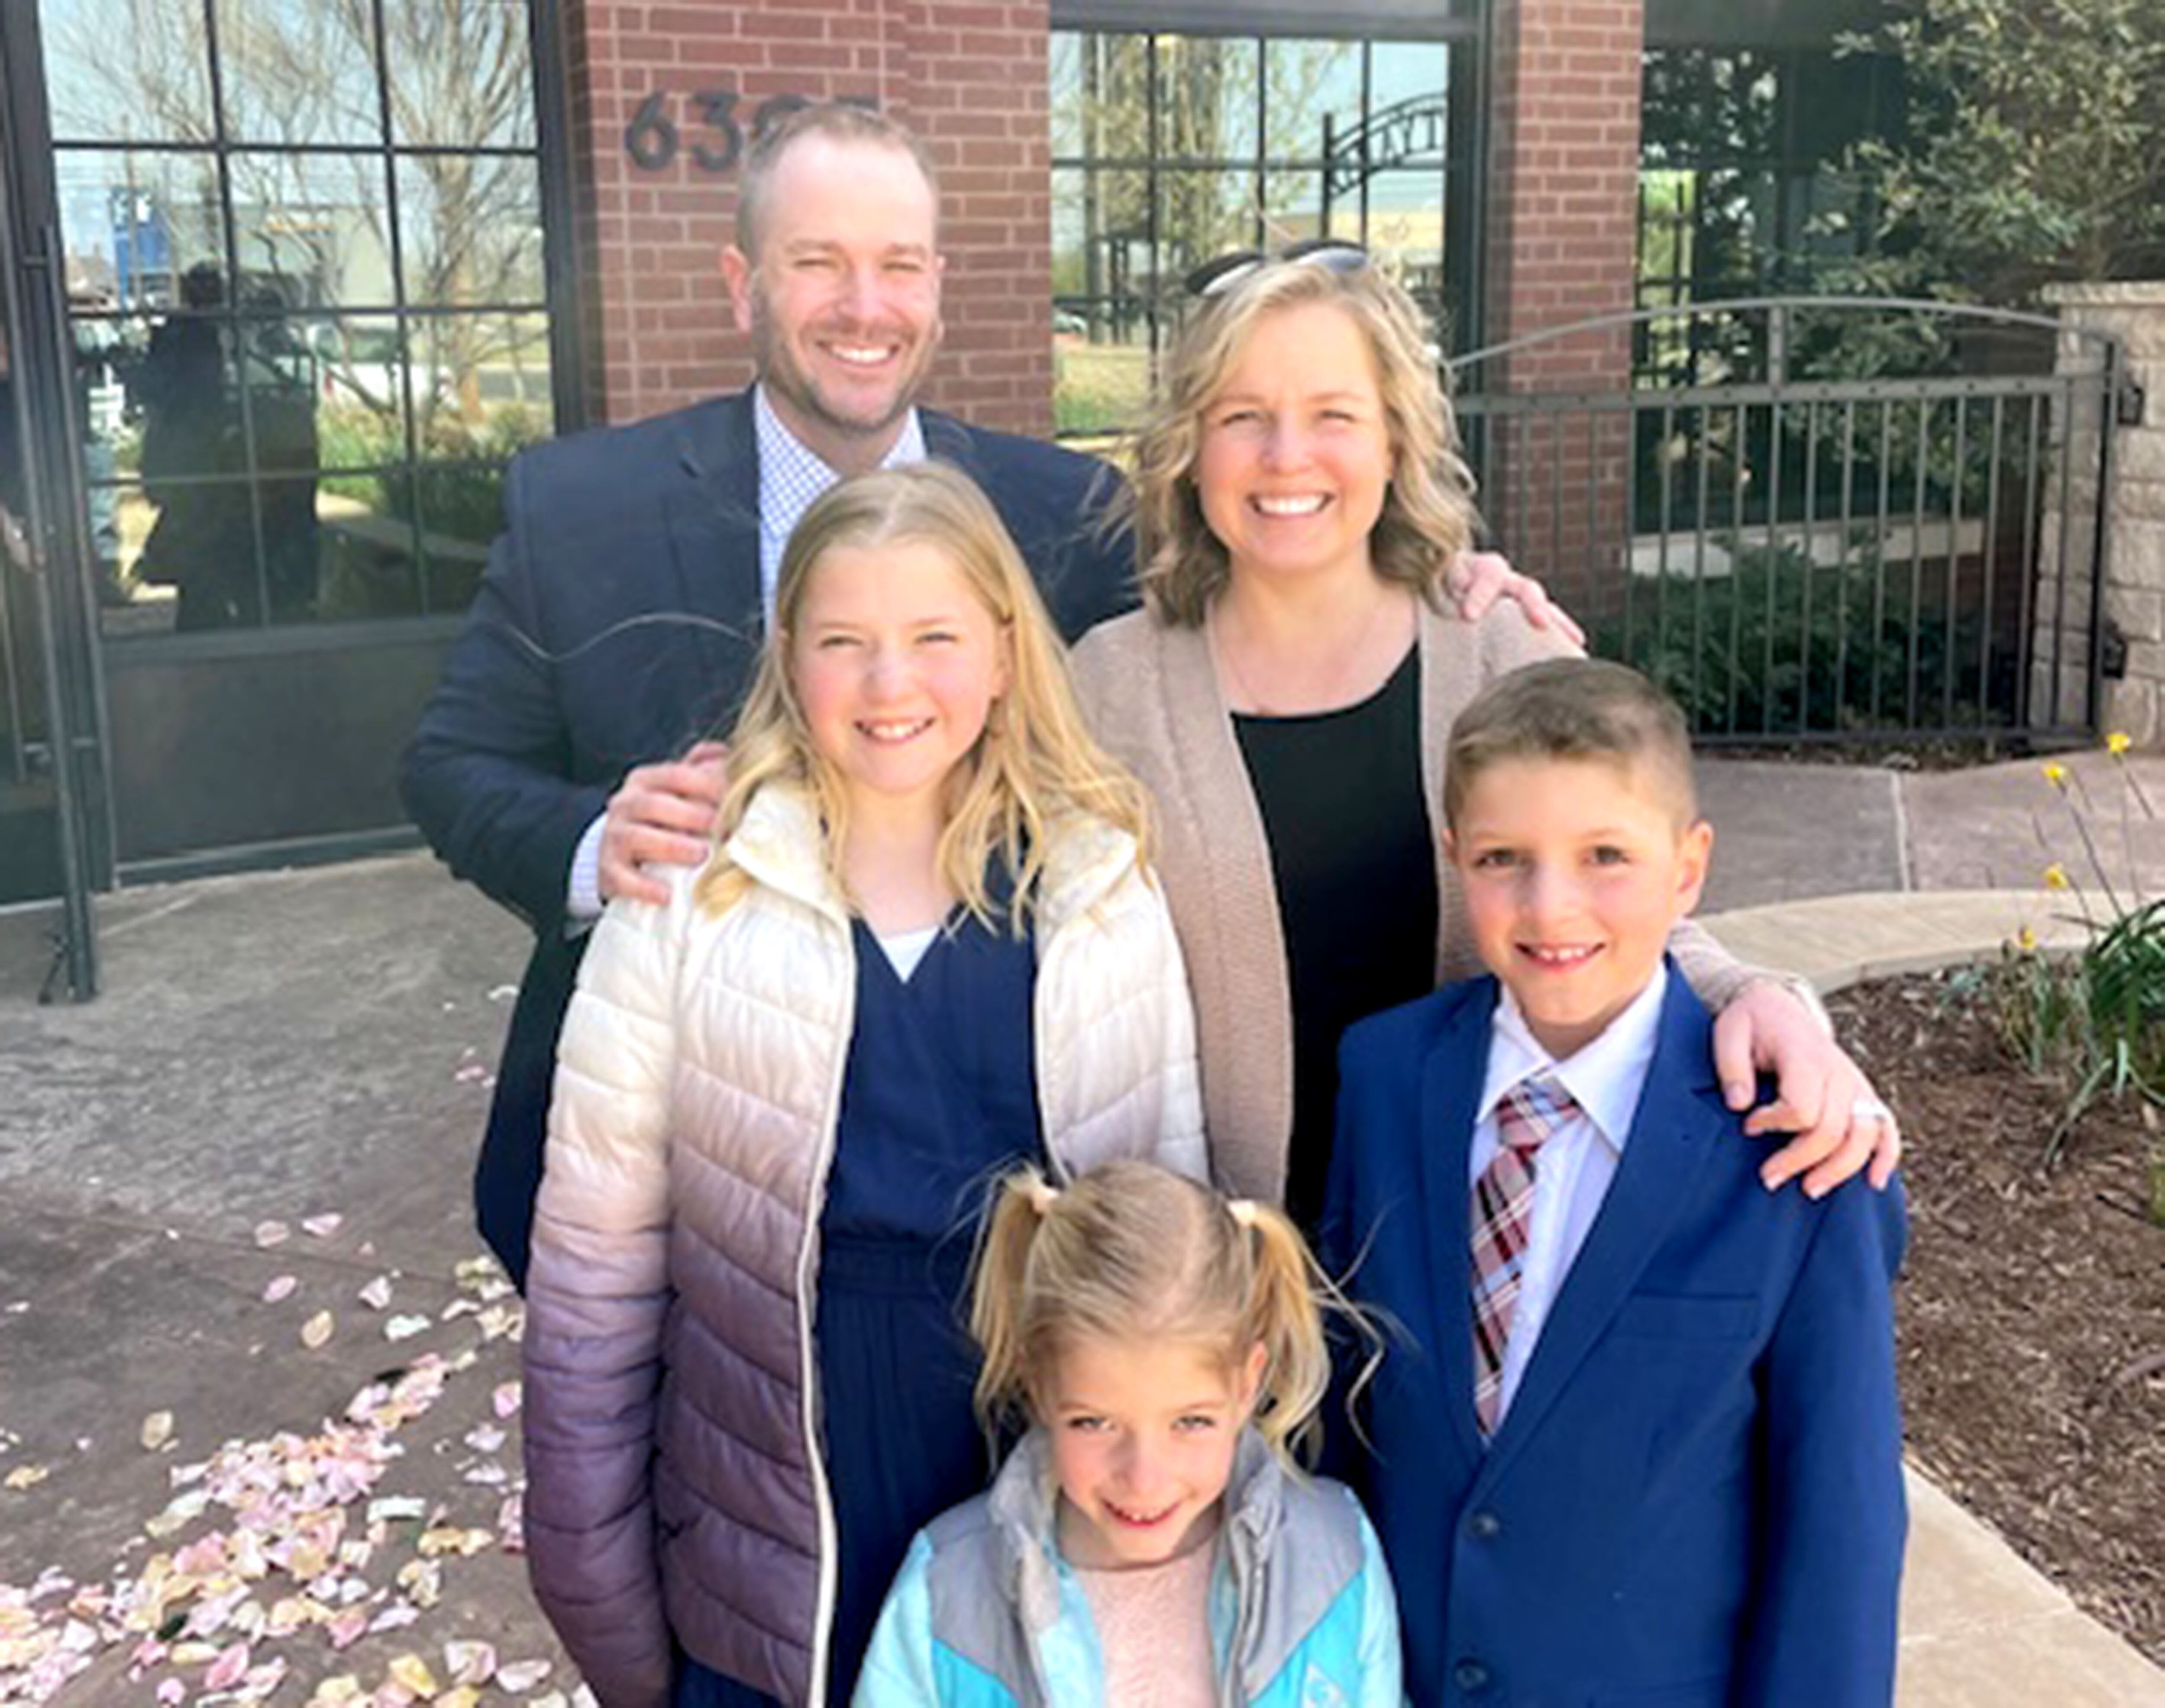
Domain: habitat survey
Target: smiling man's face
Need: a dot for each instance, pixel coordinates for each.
(842, 299)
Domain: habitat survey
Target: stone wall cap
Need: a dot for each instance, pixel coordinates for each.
(2126, 294)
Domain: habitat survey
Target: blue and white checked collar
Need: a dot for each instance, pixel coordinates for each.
(790, 477)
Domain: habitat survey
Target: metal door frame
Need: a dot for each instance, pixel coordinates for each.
(33, 296)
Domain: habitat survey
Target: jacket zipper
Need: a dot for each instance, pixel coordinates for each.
(822, 1622)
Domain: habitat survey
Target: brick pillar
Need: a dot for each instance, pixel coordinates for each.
(970, 78)
(1563, 186)
(2134, 515)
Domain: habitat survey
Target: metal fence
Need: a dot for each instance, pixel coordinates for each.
(1885, 522)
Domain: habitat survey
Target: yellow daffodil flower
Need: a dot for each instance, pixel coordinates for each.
(2056, 773)
(2055, 876)
(2117, 743)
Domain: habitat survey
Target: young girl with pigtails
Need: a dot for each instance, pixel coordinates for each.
(1150, 1543)
(927, 948)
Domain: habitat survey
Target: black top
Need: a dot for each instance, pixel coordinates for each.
(1354, 857)
(939, 1100)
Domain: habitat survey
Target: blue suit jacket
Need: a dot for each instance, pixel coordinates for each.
(547, 700)
(1695, 1499)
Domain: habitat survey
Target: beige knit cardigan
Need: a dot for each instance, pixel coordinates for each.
(1152, 698)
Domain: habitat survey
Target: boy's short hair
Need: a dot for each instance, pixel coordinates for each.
(1572, 709)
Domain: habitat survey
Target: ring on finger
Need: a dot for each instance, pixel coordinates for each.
(1870, 1108)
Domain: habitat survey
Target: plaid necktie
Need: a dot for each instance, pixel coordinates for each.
(1532, 1111)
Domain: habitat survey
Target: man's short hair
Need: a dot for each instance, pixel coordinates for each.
(1573, 708)
(838, 121)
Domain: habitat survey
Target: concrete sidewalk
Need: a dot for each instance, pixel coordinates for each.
(276, 1049)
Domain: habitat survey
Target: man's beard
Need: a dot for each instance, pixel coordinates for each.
(780, 373)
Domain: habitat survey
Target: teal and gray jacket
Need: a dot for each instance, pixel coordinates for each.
(987, 1615)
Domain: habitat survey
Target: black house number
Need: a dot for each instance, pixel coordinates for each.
(717, 137)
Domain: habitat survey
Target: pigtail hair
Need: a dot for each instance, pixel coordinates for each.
(1019, 1203)
(1290, 1296)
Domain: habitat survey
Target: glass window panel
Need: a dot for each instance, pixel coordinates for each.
(135, 70)
(134, 224)
(354, 371)
(299, 71)
(1101, 376)
(181, 419)
(201, 548)
(1309, 86)
(311, 230)
(1115, 98)
(1101, 227)
(1208, 88)
(481, 383)
(1295, 203)
(128, 605)
(461, 75)
(461, 510)
(290, 505)
(1405, 225)
(470, 228)
(1064, 70)
(366, 564)
(1202, 216)
(1418, 72)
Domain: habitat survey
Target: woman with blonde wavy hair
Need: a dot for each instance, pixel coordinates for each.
(926, 949)
(1286, 694)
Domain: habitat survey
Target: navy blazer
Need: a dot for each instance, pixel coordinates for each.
(1695, 1498)
(576, 665)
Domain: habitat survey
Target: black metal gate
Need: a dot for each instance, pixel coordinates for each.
(1846, 520)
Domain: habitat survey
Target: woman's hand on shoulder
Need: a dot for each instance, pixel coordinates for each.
(1821, 1096)
(1476, 580)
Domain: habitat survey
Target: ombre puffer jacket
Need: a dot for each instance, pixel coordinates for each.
(674, 1487)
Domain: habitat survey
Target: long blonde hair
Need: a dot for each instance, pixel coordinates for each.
(1134, 1252)
(1428, 515)
(1035, 764)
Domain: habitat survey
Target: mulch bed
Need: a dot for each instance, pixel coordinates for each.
(2031, 1317)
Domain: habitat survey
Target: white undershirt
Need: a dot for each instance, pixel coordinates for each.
(905, 949)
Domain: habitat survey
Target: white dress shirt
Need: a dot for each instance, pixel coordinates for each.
(1574, 1168)
(790, 477)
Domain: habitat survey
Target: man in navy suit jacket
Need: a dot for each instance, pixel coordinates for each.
(624, 602)
(1685, 1487)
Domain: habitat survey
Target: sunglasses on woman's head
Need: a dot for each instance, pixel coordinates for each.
(1334, 255)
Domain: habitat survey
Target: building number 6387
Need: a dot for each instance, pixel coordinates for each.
(652, 138)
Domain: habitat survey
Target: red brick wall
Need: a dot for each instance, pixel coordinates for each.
(970, 78)
(1562, 242)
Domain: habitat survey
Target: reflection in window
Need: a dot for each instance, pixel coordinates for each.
(1741, 190)
(471, 227)
(1170, 151)
(127, 71)
(299, 72)
(307, 298)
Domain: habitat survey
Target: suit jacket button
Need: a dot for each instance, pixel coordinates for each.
(1484, 1527)
(1470, 1675)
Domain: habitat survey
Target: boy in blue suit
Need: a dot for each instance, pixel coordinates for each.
(1645, 1446)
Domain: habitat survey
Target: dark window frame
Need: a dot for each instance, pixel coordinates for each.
(1454, 294)
(557, 307)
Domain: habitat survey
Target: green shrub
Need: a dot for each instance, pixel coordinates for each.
(1855, 645)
